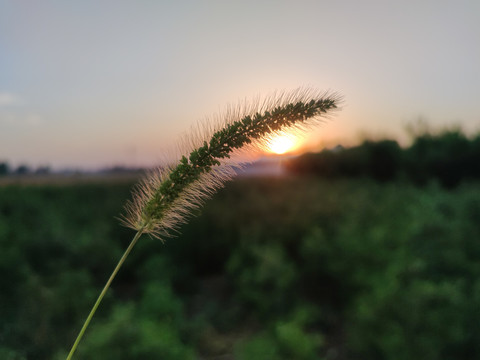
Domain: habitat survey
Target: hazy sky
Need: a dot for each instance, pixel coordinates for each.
(99, 83)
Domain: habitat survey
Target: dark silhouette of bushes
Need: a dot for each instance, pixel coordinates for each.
(4, 168)
(449, 158)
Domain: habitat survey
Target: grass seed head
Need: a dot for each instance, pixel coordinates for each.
(167, 195)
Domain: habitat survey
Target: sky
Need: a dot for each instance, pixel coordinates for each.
(91, 84)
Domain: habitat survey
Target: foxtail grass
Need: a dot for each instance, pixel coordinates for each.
(167, 195)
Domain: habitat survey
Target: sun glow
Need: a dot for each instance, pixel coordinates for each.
(281, 144)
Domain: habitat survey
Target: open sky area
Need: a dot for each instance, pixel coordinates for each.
(89, 84)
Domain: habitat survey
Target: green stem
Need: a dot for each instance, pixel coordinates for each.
(102, 294)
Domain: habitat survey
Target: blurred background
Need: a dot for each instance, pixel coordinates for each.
(360, 240)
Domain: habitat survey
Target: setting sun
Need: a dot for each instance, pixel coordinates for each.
(281, 144)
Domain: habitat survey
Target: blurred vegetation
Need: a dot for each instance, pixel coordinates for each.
(272, 268)
(449, 157)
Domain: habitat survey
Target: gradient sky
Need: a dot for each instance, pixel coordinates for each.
(99, 83)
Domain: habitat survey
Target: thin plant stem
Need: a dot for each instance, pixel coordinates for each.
(104, 291)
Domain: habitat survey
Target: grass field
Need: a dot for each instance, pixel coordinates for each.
(271, 268)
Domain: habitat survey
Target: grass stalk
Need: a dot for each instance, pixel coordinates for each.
(102, 294)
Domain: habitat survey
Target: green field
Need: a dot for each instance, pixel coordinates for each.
(271, 268)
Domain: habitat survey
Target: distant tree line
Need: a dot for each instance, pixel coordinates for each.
(448, 157)
(6, 169)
